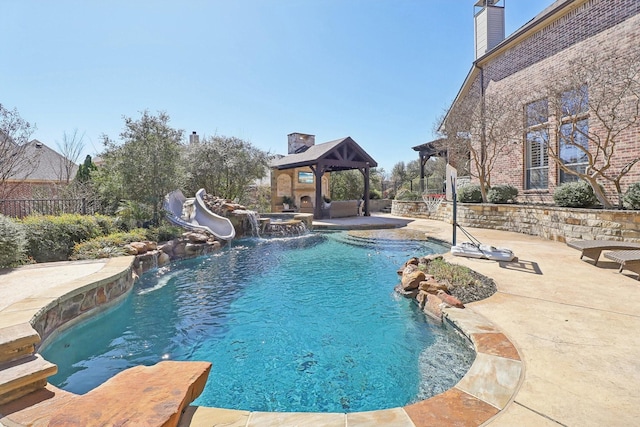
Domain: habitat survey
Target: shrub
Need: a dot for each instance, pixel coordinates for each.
(13, 242)
(107, 246)
(451, 274)
(51, 238)
(133, 214)
(375, 194)
(577, 194)
(107, 224)
(469, 193)
(502, 194)
(404, 194)
(631, 198)
(163, 233)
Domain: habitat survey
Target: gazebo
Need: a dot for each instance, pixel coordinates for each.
(437, 148)
(341, 154)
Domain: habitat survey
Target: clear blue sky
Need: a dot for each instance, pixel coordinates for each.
(380, 71)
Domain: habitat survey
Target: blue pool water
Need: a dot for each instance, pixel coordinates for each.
(301, 324)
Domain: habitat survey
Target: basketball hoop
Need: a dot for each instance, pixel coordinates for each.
(432, 201)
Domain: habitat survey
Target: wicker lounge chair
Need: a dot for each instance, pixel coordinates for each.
(629, 260)
(593, 248)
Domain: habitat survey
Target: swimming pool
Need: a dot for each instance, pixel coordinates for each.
(297, 324)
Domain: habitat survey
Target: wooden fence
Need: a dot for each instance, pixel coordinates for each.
(20, 208)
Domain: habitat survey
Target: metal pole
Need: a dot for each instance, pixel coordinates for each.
(455, 210)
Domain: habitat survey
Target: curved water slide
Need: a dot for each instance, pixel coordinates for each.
(193, 214)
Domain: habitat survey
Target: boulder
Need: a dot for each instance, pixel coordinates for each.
(139, 246)
(163, 259)
(432, 286)
(130, 250)
(450, 300)
(197, 237)
(166, 249)
(179, 250)
(421, 298)
(407, 294)
(433, 306)
(151, 246)
(411, 280)
(192, 249)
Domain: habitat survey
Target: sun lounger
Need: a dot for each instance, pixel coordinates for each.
(629, 260)
(593, 248)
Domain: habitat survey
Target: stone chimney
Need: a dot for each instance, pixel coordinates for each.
(489, 25)
(300, 142)
(194, 138)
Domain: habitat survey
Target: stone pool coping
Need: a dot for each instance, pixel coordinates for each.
(482, 393)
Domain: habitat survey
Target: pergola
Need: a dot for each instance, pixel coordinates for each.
(437, 148)
(339, 155)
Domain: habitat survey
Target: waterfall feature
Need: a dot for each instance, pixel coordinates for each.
(286, 228)
(250, 222)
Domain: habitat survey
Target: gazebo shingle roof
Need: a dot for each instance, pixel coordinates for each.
(337, 154)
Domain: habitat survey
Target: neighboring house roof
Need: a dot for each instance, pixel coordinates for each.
(341, 154)
(49, 164)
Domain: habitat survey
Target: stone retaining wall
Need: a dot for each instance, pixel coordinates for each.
(84, 300)
(549, 222)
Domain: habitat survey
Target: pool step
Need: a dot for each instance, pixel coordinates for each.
(21, 371)
(376, 243)
(23, 376)
(17, 341)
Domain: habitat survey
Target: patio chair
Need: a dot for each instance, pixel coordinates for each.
(593, 248)
(629, 260)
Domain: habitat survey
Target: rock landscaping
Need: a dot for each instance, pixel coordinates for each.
(151, 254)
(432, 293)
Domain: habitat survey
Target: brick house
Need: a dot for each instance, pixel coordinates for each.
(552, 117)
(41, 175)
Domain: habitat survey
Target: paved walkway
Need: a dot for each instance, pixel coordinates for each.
(575, 325)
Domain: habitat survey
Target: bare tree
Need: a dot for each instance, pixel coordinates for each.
(15, 164)
(596, 103)
(71, 148)
(481, 128)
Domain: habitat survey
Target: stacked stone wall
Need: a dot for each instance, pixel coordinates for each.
(84, 301)
(552, 223)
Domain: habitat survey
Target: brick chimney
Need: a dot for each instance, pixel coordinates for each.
(300, 142)
(194, 138)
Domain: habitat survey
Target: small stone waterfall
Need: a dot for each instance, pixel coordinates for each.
(252, 220)
(248, 223)
(285, 228)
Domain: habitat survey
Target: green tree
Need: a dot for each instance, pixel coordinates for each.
(398, 175)
(145, 165)
(349, 184)
(224, 166)
(346, 185)
(403, 174)
(85, 170)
